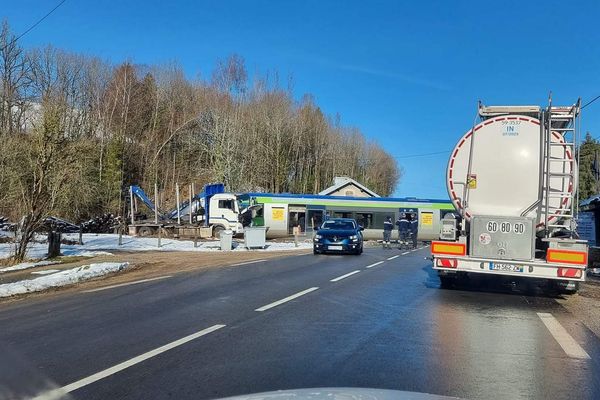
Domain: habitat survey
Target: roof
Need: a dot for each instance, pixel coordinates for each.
(590, 201)
(357, 199)
(342, 181)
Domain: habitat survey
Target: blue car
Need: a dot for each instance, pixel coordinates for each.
(339, 235)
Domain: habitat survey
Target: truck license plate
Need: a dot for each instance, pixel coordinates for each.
(505, 267)
(334, 247)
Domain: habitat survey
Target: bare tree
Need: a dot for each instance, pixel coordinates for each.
(43, 180)
(77, 130)
(14, 78)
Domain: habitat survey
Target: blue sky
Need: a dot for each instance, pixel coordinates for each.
(408, 74)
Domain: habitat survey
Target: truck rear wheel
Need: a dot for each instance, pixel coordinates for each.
(446, 282)
(564, 287)
(217, 229)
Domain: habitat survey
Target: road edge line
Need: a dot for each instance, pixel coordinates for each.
(562, 337)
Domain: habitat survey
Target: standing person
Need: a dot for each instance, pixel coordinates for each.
(387, 232)
(403, 229)
(414, 230)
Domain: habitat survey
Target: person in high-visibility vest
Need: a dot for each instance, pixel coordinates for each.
(414, 229)
(388, 227)
(403, 229)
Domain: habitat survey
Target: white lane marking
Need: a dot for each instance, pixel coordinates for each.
(391, 258)
(126, 284)
(405, 253)
(339, 278)
(292, 297)
(247, 262)
(374, 265)
(60, 392)
(566, 341)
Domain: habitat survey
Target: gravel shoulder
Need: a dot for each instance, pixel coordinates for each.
(585, 305)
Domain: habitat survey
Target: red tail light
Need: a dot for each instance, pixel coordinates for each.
(569, 273)
(446, 263)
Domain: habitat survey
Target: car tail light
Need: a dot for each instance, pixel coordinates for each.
(449, 248)
(569, 273)
(446, 262)
(566, 256)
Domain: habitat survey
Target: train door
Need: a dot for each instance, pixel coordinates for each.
(275, 218)
(296, 216)
(314, 218)
(429, 224)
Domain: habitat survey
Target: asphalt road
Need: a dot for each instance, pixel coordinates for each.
(283, 324)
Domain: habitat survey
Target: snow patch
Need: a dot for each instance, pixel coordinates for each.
(97, 243)
(85, 253)
(62, 278)
(27, 265)
(45, 272)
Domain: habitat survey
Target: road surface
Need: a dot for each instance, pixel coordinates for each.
(378, 320)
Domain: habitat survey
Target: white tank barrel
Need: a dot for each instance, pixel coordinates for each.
(505, 170)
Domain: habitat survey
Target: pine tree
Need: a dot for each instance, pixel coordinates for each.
(588, 184)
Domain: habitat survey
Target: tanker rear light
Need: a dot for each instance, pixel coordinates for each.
(569, 273)
(567, 256)
(448, 248)
(446, 262)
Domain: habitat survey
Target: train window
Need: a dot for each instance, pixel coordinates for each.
(365, 220)
(379, 219)
(342, 214)
(444, 212)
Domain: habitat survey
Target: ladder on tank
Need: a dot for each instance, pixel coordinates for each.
(562, 123)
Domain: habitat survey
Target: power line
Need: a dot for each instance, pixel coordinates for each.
(34, 25)
(423, 154)
(590, 102)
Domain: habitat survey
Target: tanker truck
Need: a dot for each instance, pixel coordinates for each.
(513, 181)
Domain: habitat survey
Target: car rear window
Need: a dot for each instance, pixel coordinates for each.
(346, 225)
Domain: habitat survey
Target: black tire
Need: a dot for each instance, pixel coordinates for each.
(561, 288)
(217, 229)
(446, 282)
(146, 231)
(574, 290)
(315, 251)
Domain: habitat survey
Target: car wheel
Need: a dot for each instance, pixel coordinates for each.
(315, 251)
